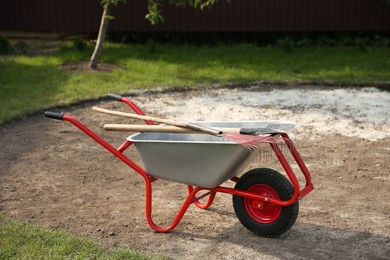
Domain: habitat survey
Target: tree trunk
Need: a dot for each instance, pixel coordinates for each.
(93, 62)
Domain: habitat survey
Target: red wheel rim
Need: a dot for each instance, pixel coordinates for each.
(270, 212)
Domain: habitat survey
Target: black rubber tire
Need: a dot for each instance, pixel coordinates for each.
(284, 189)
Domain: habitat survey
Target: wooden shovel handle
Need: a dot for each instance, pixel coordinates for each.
(160, 129)
(192, 126)
(135, 116)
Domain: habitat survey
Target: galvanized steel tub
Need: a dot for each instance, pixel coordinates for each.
(197, 159)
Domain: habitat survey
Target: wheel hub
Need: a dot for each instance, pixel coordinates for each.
(262, 212)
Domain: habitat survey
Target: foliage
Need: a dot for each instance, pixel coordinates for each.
(261, 39)
(79, 43)
(154, 12)
(195, 3)
(155, 16)
(286, 44)
(21, 47)
(5, 46)
(112, 3)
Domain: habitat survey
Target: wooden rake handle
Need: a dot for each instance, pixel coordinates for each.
(207, 130)
(162, 129)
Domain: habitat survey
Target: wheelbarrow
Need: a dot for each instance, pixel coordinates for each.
(265, 201)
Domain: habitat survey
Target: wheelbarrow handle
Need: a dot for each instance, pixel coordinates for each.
(54, 115)
(114, 96)
(130, 103)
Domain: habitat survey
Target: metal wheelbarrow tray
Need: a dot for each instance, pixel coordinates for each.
(265, 201)
(197, 159)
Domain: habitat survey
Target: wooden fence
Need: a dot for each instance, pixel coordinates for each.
(76, 16)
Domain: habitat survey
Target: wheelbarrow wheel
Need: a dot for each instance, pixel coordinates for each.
(262, 218)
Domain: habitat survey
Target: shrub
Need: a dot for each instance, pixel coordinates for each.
(5, 46)
(361, 44)
(79, 44)
(286, 44)
(21, 47)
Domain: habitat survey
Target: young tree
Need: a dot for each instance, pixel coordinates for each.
(106, 17)
(154, 16)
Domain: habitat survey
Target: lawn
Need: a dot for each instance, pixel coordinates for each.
(24, 241)
(29, 84)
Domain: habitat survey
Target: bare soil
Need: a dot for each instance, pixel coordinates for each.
(53, 175)
(83, 66)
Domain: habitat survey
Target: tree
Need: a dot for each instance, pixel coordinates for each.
(154, 16)
(106, 17)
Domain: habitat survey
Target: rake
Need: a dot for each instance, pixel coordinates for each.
(252, 138)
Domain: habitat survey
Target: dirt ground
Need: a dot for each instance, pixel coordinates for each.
(52, 175)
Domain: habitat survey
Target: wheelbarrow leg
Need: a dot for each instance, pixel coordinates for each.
(189, 200)
(210, 194)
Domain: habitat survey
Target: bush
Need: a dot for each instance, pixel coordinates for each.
(21, 47)
(361, 44)
(285, 44)
(5, 46)
(79, 44)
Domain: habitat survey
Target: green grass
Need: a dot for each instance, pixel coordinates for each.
(24, 241)
(31, 83)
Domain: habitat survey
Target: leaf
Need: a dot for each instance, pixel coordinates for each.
(154, 15)
(106, 3)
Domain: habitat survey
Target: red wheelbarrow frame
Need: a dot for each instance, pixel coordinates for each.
(192, 191)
